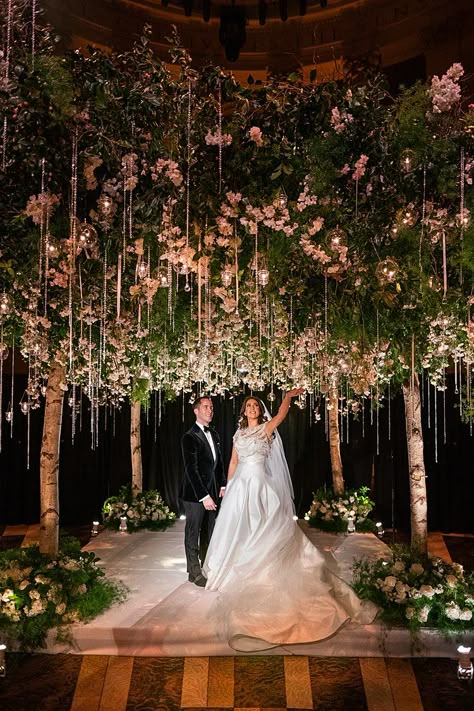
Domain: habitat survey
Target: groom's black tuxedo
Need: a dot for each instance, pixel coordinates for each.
(203, 476)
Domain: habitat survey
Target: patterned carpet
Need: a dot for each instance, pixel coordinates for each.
(61, 682)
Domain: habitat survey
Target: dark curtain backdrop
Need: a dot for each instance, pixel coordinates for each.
(88, 476)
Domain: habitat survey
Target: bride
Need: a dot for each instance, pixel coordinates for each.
(274, 585)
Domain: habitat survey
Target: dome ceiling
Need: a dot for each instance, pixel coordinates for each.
(261, 36)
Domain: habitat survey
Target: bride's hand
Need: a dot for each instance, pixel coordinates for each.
(296, 391)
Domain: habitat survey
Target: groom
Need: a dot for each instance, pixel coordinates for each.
(203, 484)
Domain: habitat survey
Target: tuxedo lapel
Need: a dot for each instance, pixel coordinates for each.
(203, 438)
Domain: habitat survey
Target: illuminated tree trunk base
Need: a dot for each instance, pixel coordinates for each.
(335, 443)
(416, 467)
(49, 462)
(136, 447)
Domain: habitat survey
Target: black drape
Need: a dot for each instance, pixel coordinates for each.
(89, 474)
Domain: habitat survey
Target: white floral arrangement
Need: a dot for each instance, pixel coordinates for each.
(418, 591)
(139, 510)
(38, 593)
(332, 512)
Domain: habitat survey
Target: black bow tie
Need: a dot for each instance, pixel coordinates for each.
(206, 429)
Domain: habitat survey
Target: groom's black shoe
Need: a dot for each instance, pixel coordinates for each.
(199, 580)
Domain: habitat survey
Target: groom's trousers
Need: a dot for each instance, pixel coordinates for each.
(193, 545)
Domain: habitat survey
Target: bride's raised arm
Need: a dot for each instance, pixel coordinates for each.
(282, 412)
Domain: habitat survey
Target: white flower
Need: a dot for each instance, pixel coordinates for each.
(465, 615)
(427, 591)
(398, 566)
(417, 569)
(409, 612)
(255, 135)
(24, 584)
(451, 581)
(452, 611)
(60, 609)
(423, 613)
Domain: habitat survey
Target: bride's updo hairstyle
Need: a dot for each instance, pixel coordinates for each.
(243, 422)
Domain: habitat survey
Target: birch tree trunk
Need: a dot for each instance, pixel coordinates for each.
(49, 462)
(416, 466)
(136, 447)
(335, 443)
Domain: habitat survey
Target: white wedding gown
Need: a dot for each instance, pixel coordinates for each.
(274, 585)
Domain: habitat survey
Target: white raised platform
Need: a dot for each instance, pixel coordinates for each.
(165, 615)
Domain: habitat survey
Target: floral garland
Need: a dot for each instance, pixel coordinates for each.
(39, 594)
(142, 510)
(418, 591)
(331, 512)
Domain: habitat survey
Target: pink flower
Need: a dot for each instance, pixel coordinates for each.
(255, 135)
(360, 167)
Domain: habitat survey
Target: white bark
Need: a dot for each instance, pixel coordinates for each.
(49, 462)
(335, 443)
(136, 447)
(416, 466)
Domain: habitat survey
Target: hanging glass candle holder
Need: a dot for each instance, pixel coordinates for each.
(142, 270)
(336, 238)
(24, 403)
(242, 366)
(463, 219)
(87, 236)
(386, 271)
(37, 346)
(105, 205)
(465, 667)
(263, 274)
(408, 160)
(9, 414)
(6, 304)
(53, 247)
(181, 267)
(144, 372)
(4, 352)
(161, 274)
(282, 199)
(227, 275)
(407, 216)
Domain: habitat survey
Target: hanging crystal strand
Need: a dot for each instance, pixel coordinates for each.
(357, 197)
(460, 387)
(1, 383)
(12, 389)
(456, 389)
(428, 398)
(114, 410)
(461, 275)
(445, 268)
(72, 237)
(28, 432)
(155, 415)
(159, 407)
(33, 34)
(236, 268)
(170, 290)
(326, 420)
(377, 389)
(124, 223)
(41, 243)
(341, 415)
(46, 257)
(347, 414)
(73, 414)
(219, 134)
(389, 414)
(257, 304)
(199, 287)
(104, 320)
(6, 78)
(80, 408)
(188, 176)
(371, 407)
(363, 416)
(423, 213)
(444, 409)
(119, 285)
(436, 422)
